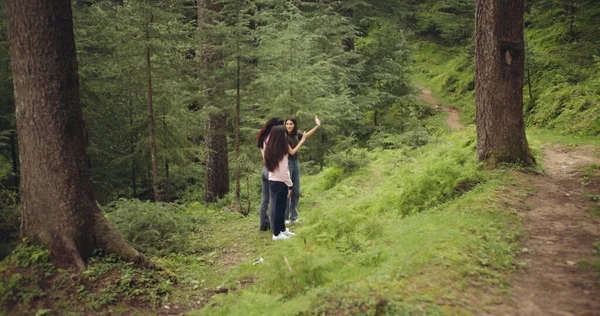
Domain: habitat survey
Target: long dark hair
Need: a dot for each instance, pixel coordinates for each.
(294, 132)
(266, 129)
(277, 147)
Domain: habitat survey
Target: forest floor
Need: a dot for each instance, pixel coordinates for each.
(453, 119)
(561, 223)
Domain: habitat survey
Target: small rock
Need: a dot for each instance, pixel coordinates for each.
(166, 306)
(571, 263)
(524, 250)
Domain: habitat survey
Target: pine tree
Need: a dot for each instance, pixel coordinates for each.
(499, 64)
(59, 208)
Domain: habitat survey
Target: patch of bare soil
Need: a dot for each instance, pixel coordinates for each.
(453, 119)
(557, 242)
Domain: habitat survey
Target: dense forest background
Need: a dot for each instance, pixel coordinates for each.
(349, 62)
(213, 72)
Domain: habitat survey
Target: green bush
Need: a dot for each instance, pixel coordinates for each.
(31, 262)
(350, 159)
(9, 229)
(156, 228)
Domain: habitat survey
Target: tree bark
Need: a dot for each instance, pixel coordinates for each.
(59, 208)
(132, 141)
(499, 68)
(237, 110)
(217, 165)
(151, 125)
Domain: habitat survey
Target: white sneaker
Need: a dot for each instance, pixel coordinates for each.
(288, 233)
(287, 221)
(280, 236)
(295, 221)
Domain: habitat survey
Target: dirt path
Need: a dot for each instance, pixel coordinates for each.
(558, 235)
(453, 119)
(557, 243)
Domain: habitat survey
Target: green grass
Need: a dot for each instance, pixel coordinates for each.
(407, 233)
(411, 231)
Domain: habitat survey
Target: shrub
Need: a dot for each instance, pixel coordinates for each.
(9, 229)
(155, 228)
(349, 160)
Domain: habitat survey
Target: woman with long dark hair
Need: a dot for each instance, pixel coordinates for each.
(280, 184)
(294, 138)
(265, 201)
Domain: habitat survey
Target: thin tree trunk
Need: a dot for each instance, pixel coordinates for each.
(167, 179)
(248, 193)
(499, 65)
(58, 205)
(151, 127)
(237, 111)
(132, 151)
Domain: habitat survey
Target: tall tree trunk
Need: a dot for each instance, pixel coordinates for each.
(499, 67)
(132, 141)
(237, 108)
(167, 179)
(59, 208)
(151, 126)
(217, 165)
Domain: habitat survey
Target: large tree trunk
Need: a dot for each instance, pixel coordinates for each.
(59, 208)
(499, 67)
(217, 165)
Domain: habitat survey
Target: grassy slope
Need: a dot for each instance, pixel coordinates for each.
(408, 233)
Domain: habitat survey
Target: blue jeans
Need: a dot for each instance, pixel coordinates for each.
(279, 191)
(291, 210)
(265, 200)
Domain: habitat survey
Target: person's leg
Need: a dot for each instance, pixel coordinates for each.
(265, 223)
(295, 197)
(279, 192)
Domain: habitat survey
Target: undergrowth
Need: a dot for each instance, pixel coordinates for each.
(31, 284)
(404, 234)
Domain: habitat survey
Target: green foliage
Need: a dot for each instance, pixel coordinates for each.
(562, 67)
(111, 43)
(391, 236)
(21, 285)
(9, 211)
(10, 222)
(568, 107)
(131, 284)
(154, 228)
(28, 277)
(451, 21)
(349, 160)
(19, 288)
(28, 255)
